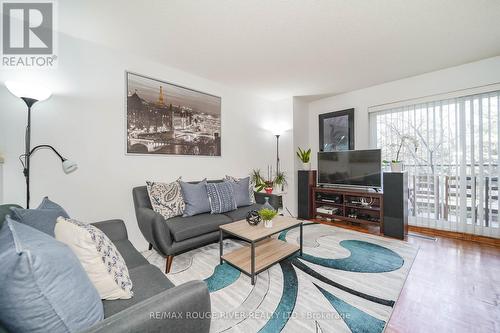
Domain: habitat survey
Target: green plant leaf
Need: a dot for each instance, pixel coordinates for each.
(267, 214)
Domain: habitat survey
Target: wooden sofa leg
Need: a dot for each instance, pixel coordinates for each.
(150, 247)
(170, 259)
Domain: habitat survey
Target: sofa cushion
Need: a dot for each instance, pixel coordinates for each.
(183, 228)
(4, 211)
(195, 197)
(241, 212)
(148, 281)
(221, 197)
(166, 198)
(241, 191)
(130, 254)
(43, 285)
(251, 185)
(99, 257)
(42, 218)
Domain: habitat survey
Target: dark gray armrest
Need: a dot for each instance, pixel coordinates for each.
(185, 308)
(114, 229)
(154, 229)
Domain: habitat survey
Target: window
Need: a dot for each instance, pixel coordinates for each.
(450, 149)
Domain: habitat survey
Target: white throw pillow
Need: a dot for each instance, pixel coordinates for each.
(166, 198)
(99, 257)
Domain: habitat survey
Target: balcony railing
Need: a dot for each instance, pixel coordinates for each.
(440, 197)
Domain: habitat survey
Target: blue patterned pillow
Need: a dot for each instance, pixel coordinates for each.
(221, 197)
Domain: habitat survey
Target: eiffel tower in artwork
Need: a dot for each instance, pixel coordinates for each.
(161, 100)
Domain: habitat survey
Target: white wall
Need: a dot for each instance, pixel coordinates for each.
(85, 121)
(466, 76)
(300, 138)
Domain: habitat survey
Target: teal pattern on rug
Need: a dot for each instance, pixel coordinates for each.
(287, 302)
(223, 276)
(365, 257)
(357, 320)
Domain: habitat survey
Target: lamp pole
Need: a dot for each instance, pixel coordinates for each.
(277, 153)
(27, 138)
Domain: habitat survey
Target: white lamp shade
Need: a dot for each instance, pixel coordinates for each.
(28, 90)
(69, 166)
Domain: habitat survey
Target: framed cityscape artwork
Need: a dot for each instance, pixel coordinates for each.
(336, 130)
(165, 118)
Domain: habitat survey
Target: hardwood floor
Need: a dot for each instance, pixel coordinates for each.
(453, 286)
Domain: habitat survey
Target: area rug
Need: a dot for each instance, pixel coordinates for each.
(345, 281)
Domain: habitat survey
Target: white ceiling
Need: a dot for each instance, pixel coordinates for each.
(280, 48)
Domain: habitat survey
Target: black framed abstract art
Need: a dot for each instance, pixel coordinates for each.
(336, 130)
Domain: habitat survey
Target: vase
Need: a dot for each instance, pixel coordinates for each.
(397, 166)
(306, 166)
(268, 224)
(268, 190)
(267, 205)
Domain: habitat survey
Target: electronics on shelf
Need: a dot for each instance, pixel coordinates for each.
(349, 204)
(327, 210)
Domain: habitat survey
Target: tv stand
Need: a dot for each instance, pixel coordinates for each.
(348, 204)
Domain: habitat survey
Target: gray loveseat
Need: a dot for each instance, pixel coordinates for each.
(180, 234)
(157, 305)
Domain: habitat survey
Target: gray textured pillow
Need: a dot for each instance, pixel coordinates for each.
(42, 218)
(250, 187)
(166, 198)
(195, 198)
(240, 190)
(221, 197)
(44, 287)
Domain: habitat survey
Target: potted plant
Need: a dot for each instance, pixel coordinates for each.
(267, 215)
(397, 164)
(257, 180)
(305, 157)
(267, 184)
(280, 180)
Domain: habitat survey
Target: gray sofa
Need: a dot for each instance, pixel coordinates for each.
(155, 297)
(180, 234)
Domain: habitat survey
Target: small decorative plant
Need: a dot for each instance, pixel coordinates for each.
(258, 180)
(267, 184)
(396, 164)
(280, 179)
(304, 155)
(267, 216)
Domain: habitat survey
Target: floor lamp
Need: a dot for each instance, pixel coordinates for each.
(277, 152)
(31, 94)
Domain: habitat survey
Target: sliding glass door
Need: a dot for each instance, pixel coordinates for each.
(450, 149)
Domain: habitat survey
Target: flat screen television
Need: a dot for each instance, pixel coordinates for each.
(361, 168)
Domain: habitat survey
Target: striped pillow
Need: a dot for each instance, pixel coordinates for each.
(221, 197)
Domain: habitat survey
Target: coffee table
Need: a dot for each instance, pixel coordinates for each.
(263, 250)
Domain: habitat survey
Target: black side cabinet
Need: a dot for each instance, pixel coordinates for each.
(395, 204)
(276, 200)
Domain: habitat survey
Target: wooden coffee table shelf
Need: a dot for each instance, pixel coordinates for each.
(263, 250)
(267, 253)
